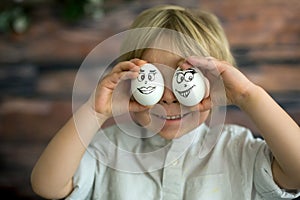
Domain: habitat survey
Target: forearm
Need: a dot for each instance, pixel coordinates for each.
(280, 131)
(59, 161)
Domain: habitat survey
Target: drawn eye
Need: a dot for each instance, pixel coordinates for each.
(189, 76)
(151, 76)
(180, 78)
(141, 77)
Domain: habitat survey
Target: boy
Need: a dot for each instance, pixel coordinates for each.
(77, 165)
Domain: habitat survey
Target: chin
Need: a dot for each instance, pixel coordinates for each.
(169, 136)
(169, 133)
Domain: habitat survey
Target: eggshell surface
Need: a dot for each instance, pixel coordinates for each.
(188, 86)
(148, 87)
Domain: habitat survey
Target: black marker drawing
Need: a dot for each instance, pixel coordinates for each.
(183, 79)
(150, 78)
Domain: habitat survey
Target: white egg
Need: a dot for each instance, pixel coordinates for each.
(188, 86)
(148, 88)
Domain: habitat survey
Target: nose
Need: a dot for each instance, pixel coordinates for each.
(168, 97)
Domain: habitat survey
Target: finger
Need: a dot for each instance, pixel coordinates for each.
(183, 64)
(207, 65)
(198, 61)
(207, 87)
(138, 61)
(112, 80)
(125, 66)
(128, 75)
(205, 105)
(186, 66)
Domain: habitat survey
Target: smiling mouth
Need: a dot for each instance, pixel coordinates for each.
(170, 117)
(146, 90)
(185, 93)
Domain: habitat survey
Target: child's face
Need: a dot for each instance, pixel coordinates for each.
(173, 118)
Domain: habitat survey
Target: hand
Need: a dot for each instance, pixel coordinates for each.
(112, 94)
(223, 77)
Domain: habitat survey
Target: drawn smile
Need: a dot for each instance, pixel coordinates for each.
(146, 90)
(185, 93)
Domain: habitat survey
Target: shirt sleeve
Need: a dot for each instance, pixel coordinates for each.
(83, 179)
(263, 178)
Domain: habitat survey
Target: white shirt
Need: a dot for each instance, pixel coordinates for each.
(231, 165)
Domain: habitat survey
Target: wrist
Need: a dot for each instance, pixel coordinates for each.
(93, 114)
(86, 123)
(249, 97)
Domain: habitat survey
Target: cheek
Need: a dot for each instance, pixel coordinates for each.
(194, 120)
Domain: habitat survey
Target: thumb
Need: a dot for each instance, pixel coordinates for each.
(205, 105)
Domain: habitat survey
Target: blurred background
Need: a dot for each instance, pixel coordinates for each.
(43, 43)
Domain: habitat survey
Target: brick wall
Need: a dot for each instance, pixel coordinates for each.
(37, 71)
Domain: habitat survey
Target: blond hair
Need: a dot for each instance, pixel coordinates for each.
(202, 27)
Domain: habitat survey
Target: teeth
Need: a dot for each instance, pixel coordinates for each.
(185, 93)
(171, 117)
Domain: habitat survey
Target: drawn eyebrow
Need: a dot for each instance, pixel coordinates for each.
(179, 72)
(191, 70)
(153, 70)
(141, 70)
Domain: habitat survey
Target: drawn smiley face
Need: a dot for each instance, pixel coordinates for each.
(188, 86)
(148, 87)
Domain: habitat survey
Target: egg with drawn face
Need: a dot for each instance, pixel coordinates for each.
(188, 86)
(148, 87)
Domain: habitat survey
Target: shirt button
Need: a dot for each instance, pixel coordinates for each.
(175, 163)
